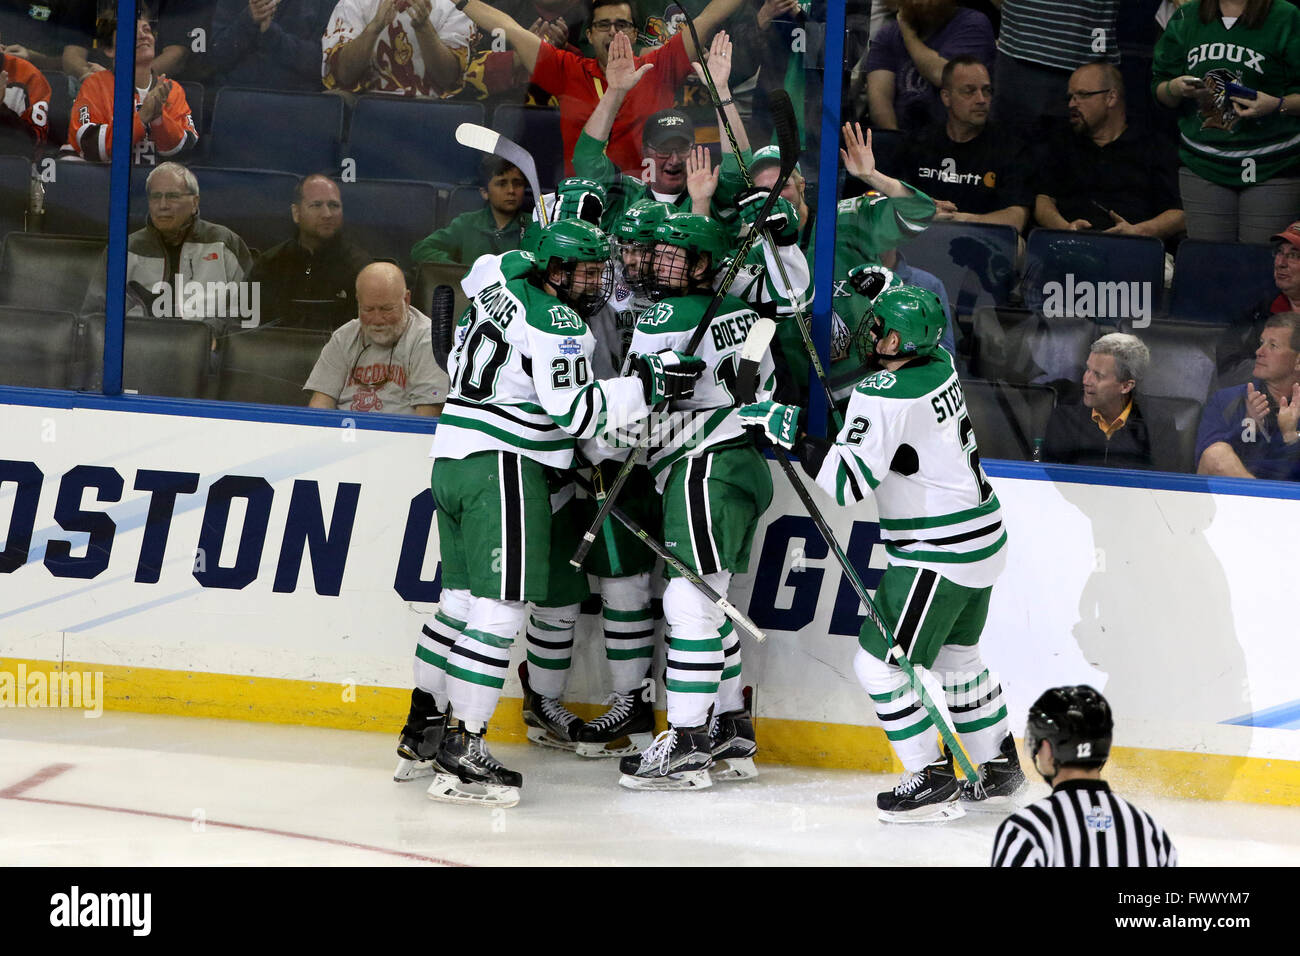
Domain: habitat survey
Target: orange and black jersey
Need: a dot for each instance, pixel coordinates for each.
(26, 99)
(90, 130)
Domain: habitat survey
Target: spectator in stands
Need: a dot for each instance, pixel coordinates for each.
(1110, 429)
(496, 228)
(1040, 43)
(414, 47)
(37, 33)
(24, 105)
(269, 44)
(905, 63)
(381, 361)
(763, 170)
(498, 74)
(1234, 356)
(973, 169)
(1249, 431)
(163, 125)
(580, 82)
(1108, 175)
(172, 252)
(80, 60)
(309, 281)
(1240, 174)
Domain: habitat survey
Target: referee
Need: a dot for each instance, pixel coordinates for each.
(1081, 823)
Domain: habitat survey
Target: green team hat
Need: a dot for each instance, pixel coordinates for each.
(765, 155)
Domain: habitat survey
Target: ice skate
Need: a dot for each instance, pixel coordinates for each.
(1000, 780)
(678, 759)
(420, 738)
(626, 728)
(927, 796)
(466, 772)
(549, 723)
(731, 736)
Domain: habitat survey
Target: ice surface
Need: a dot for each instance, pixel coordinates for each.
(155, 790)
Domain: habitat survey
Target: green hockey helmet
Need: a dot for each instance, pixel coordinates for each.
(698, 236)
(639, 221)
(572, 247)
(578, 198)
(914, 313)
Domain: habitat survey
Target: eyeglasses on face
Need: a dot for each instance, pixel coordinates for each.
(605, 26)
(1287, 252)
(1084, 94)
(168, 197)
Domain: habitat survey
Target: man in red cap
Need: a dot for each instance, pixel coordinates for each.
(1236, 349)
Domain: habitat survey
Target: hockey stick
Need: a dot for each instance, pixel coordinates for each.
(756, 345)
(783, 117)
(800, 319)
(490, 141)
(443, 324)
(684, 570)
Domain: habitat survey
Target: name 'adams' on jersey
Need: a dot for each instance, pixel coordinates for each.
(709, 417)
(522, 381)
(907, 438)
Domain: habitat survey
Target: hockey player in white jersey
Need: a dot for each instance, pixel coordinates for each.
(908, 440)
(522, 394)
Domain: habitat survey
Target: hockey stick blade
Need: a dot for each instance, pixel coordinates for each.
(442, 323)
(490, 141)
(757, 343)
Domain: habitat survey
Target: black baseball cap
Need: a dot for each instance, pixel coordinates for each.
(667, 127)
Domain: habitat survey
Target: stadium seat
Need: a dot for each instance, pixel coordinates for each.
(536, 129)
(268, 365)
(393, 137)
(1182, 359)
(263, 129)
(1220, 281)
(1008, 418)
(168, 357)
(76, 202)
(48, 272)
(1185, 413)
(252, 203)
(974, 261)
(1061, 267)
(15, 183)
(387, 217)
(39, 348)
(461, 200)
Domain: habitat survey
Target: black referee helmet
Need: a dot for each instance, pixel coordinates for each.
(1076, 721)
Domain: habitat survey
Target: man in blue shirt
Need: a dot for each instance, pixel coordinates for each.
(1250, 431)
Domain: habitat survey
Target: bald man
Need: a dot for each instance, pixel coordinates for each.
(382, 360)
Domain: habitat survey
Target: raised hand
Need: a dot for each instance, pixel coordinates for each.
(1256, 405)
(701, 177)
(859, 160)
(621, 71)
(719, 62)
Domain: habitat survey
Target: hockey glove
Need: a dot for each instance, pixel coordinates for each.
(870, 281)
(667, 375)
(782, 223)
(780, 423)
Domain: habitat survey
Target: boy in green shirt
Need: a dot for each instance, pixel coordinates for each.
(492, 230)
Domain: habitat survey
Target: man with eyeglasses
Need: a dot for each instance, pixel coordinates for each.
(1236, 349)
(579, 83)
(382, 360)
(1107, 175)
(163, 125)
(175, 253)
(309, 281)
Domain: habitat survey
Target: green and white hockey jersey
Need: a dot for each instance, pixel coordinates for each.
(907, 439)
(708, 418)
(521, 373)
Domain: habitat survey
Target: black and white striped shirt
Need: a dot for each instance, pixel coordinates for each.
(1082, 824)
(1064, 34)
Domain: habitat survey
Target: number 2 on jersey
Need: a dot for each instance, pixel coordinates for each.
(967, 432)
